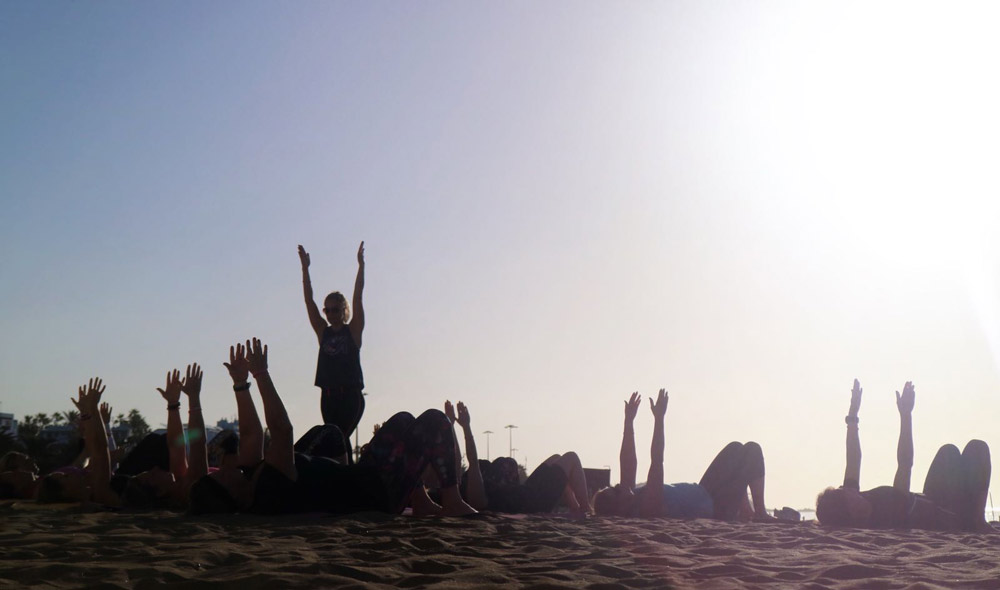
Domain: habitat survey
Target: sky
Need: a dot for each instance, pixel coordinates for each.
(749, 204)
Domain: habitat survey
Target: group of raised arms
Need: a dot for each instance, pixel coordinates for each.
(415, 462)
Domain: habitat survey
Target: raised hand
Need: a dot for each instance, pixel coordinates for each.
(172, 393)
(106, 413)
(660, 407)
(449, 411)
(361, 253)
(237, 366)
(855, 399)
(632, 406)
(905, 402)
(463, 416)
(303, 257)
(191, 385)
(89, 396)
(256, 356)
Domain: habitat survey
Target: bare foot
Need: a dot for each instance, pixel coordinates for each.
(422, 504)
(457, 508)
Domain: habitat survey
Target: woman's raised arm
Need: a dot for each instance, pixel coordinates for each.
(852, 474)
(315, 319)
(198, 459)
(357, 324)
(251, 451)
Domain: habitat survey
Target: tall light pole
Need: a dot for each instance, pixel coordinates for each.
(510, 436)
(488, 433)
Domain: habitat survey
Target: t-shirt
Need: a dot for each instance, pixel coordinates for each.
(322, 486)
(339, 362)
(890, 507)
(684, 500)
(539, 493)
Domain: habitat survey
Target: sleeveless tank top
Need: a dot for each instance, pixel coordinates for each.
(339, 363)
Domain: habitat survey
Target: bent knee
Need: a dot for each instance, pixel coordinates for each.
(571, 457)
(977, 449)
(949, 450)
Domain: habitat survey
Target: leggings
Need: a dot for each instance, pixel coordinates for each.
(342, 406)
(727, 478)
(404, 446)
(957, 482)
(325, 440)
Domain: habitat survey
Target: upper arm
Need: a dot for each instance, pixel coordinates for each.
(357, 325)
(280, 454)
(315, 319)
(902, 480)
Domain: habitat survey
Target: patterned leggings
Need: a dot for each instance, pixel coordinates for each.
(404, 446)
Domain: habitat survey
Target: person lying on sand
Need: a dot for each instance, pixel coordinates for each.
(278, 480)
(721, 493)
(496, 486)
(159, 488)
(153, 487)
(19, 473)
(955, 491)
(18, 476)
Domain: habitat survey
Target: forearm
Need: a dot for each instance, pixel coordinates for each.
(359, 283)
(307, 289)
(904, 453)
(198, 466)
(175, 443)
(470, 448)
(275, 415)
(853, 471)
(628, 461)
(251, 433)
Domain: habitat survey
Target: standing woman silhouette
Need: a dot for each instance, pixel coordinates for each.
(338, 370)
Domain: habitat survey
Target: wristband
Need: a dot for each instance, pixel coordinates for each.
(245, 386)
(175, 406)
(851, 420)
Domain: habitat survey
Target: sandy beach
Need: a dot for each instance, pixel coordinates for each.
(66, 547)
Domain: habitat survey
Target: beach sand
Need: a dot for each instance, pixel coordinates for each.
(66, 547)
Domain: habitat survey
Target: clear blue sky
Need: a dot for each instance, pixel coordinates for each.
(749, 204)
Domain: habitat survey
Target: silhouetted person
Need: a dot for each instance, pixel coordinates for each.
(338, 369)
(955, 490)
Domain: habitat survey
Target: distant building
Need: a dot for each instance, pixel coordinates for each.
(60, 433)
(8, 424)
(121, 433)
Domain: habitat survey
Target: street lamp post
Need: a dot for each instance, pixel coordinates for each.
(488, 433)
(510, 438)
